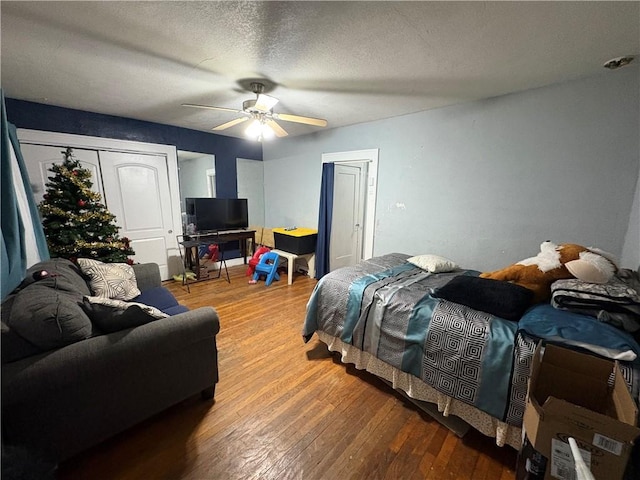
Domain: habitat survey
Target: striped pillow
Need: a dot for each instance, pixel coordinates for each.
(111, 280)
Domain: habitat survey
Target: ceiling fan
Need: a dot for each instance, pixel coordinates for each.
(261, 111)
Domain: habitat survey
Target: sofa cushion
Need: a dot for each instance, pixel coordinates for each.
(49, 318)
(111, 280)
(115, 315)
(62, 275)
(158, 297)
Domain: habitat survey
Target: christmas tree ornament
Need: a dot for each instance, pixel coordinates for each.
(81, 203)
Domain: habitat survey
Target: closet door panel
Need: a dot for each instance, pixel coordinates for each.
(137, 191)
(40, 158)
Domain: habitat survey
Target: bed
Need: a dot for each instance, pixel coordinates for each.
(390, 317)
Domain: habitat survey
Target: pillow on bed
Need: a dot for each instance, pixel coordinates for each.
(433, 263)
(502, 299)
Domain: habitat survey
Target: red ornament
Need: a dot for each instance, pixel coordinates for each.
(74, 172)
(81, 203)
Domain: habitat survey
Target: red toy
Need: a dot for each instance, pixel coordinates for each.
(256, 258)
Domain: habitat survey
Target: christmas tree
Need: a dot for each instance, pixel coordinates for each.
(75, 223)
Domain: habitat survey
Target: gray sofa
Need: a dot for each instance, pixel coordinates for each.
(87, 384)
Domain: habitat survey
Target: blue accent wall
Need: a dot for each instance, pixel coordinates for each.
(37, 116)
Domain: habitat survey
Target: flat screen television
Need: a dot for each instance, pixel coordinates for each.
(215, 214)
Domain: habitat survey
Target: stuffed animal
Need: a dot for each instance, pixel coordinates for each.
(556, 262)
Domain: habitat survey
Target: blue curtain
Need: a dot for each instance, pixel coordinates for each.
(13, 252)
(324, 220)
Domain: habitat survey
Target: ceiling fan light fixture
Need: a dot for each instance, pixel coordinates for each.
(258, 130)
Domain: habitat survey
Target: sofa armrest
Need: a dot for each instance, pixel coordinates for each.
(147, 275)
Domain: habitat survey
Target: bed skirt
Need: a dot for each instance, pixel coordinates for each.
(504, 433)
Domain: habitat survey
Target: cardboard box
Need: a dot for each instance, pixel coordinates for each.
(570, 395)
(299, 240)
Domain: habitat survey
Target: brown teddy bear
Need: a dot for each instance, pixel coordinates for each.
(539, 272)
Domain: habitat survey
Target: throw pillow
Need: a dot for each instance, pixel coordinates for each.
(433, 263)
(49, 318)
(111, 280)
(502, 299)
(115, 315)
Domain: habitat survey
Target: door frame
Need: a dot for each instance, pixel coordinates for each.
(41, 137)
(371, 157)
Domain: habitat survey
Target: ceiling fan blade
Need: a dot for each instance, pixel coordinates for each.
(231, 123)
(265, 103)
(211, 107)
(318, 122)
(277, 129)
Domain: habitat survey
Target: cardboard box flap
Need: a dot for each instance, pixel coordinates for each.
(624, 407)
(580, 363)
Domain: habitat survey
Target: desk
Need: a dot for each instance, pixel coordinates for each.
(192, 243)
(225, 236)
(291, 262)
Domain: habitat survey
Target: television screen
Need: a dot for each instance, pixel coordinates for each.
(213, 214)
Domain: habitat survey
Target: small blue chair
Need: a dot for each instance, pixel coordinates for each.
(268, 265)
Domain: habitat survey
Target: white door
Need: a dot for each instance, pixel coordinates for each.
(137, 192)
(40, 158)
(345, 245)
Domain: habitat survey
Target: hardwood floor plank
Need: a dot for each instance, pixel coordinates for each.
(286, 410)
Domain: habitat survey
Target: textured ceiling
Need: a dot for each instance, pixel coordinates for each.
(347, 62)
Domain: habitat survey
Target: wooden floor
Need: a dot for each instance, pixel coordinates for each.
(285, 409)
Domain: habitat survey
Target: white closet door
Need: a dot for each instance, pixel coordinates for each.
(40, 158)
(137, 191)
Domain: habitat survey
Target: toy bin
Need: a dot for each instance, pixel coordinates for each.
(298, 240)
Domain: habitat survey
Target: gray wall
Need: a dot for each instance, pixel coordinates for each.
(484, 183)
